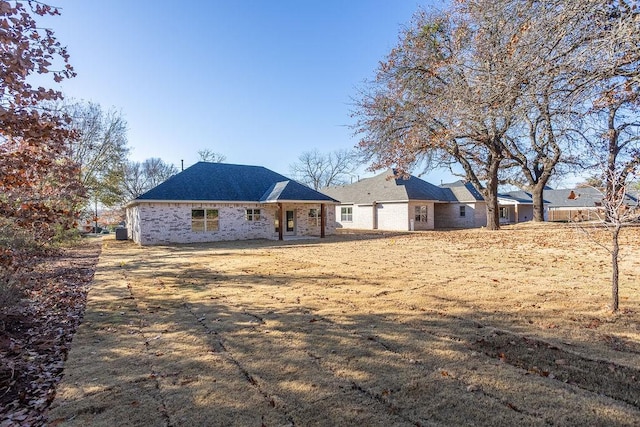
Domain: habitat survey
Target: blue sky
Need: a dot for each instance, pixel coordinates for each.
(258, 81)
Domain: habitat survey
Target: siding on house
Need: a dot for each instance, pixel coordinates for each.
(362, 216)
(386, 203)
(395, 201)
(393, 216)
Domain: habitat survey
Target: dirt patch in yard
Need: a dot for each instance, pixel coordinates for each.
(435, 328)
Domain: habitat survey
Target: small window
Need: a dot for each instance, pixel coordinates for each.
(253, 214)
(463, 211)
(504, 213)
(421, 214)
(346, 214)
(314, 217)
(204, 220)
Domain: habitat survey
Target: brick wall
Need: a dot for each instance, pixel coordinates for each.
(447, 215)
(163, 223)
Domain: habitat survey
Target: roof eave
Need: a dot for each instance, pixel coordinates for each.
(139, 201)
(239, 202)
(326, 202)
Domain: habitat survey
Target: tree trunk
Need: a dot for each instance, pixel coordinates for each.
(538, 202)
(491, 194)
(615, 248)
(493, 217)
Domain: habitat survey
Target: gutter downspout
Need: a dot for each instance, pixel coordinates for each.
(375, 215)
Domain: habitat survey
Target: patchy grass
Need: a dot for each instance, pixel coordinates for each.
(436, 328)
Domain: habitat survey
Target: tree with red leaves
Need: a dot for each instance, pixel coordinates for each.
(38, 180)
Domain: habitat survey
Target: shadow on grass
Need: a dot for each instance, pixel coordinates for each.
(149, 354)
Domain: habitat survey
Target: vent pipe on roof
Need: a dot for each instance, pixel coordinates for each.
(182, 164)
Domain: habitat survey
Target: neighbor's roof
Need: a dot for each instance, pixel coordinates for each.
(384, 187)
(518, 196)
(460, 191)
(233, 183)
(579, 197)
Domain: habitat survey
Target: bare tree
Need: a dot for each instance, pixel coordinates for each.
(100, 147)
(617, 214)
(613, 90)
(548, 133)
(157, 171)
(319, 170)
(136, 178)
(133, 182)
(207, 155)
(618, 210)
(610, 70)
(447, 94)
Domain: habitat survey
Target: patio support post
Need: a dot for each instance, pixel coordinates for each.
(322, 221)
(280, 221)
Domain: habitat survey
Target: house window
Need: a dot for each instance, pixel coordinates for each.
(253, 214)
(346, 214)
(421, 214)
(204, 220)
(504, 213)
(314, 217)
(463, 211)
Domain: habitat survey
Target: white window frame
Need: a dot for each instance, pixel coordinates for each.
(420, 214)
(252, 214)
(208, 224)
(503, 212)
(315, 217)
(346, 213)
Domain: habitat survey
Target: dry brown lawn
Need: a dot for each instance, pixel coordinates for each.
(437, 328)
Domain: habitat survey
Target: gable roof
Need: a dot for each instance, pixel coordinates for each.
(224, 182)
(384, 187)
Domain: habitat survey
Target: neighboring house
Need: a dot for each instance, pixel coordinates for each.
(515, 207)
(215, 201)
(578, 204)
(387, 203)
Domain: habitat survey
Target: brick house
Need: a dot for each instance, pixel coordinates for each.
(210, 202)
(385, 202)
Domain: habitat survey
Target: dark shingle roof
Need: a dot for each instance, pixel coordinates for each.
(518, 196)
(580, 197)
(383, 188)
(460, 191)
(233, 183)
